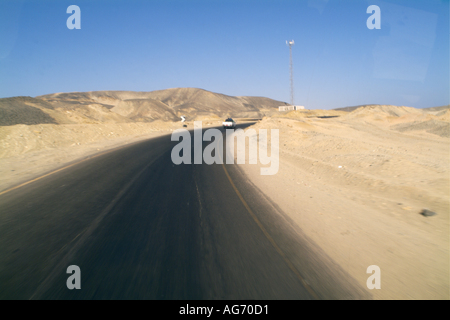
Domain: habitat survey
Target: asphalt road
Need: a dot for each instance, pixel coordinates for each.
(140, 227)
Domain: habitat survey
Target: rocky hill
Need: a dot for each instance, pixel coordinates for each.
(129, 106)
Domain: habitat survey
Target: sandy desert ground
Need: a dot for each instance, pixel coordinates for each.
(28, 151)
(354, 182)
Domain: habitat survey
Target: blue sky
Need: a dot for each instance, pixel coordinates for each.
(234, 47)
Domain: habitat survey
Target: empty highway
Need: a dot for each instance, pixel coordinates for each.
(140, 227)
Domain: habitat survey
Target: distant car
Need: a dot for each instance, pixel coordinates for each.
(229, 124)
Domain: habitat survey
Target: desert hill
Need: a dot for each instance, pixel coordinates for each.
(429, 110)
(384, 111)
(129, 106)
(350, 109)
(69, 121)
(437, 109)
(398, 118)
(404, 119)
(24, 110)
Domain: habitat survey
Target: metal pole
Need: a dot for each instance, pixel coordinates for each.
(292, 74)
(291, 43)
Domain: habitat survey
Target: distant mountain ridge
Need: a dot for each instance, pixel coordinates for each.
(350, 109)
(131, 106)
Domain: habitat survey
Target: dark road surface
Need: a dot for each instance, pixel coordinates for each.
(140, 227)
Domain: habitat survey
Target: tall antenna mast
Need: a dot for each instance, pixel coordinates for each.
(290, 44)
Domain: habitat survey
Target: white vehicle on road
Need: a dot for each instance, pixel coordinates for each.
(229, 124)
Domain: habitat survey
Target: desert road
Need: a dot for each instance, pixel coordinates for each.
(140, 227)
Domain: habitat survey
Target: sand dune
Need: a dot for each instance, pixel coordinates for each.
(418, 121)
(383, 111)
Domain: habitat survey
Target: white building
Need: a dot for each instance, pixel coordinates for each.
(289, 108)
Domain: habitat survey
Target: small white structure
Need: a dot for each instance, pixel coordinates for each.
(290, 108)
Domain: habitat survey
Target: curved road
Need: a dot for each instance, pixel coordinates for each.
(140, 227)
